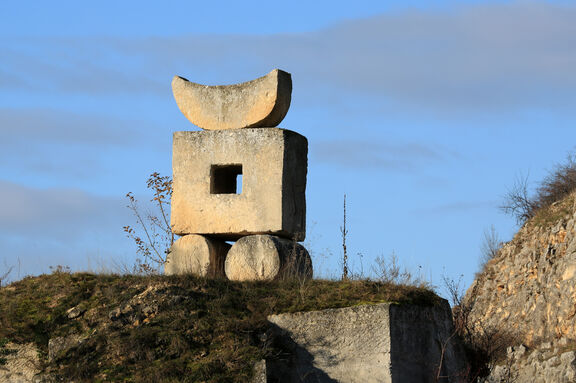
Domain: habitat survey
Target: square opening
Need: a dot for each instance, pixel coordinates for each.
(226, 179)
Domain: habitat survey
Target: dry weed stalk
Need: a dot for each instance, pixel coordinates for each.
(154, 245)
(485, 345)
(344, 232)
(5, 274)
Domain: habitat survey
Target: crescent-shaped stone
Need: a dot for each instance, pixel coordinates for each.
(254, 104)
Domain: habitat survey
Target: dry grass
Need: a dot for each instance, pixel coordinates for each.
(159, 328)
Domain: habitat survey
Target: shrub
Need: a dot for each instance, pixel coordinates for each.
(388, 270)
(490, 246)
(485, 346)
(558, 184)
(157, 238)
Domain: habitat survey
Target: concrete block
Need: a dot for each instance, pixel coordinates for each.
(265, 257)
(198, 255)
(208, 166)
(369, 344)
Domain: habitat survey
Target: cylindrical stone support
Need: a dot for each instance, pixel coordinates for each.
(198, 255)
(266, 257)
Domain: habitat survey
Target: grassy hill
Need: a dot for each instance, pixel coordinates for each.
(166, 329)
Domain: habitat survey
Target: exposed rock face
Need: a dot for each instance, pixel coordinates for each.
(373, 343)
(23, 366)
(59, 346)
(529, 292)
(530, 287)
(543, 365)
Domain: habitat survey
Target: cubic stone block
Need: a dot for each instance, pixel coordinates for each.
(386, 342)
(266, 257)
(233, 183)
(198, 255)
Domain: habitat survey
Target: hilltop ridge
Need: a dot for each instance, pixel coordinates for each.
(83, 327)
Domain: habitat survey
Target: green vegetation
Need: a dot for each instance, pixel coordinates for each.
(168, 329)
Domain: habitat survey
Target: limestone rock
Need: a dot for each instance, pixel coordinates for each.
(544, 364)
(59, 346)
(529, 289)
(260, 372)
(23, 366)
(75, 312)
(372, 343)
(198, 255)
(254, 104)
(265, 257)
(271, 166)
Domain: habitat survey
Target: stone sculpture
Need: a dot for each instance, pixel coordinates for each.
(241, 179)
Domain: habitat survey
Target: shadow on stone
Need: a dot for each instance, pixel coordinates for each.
(295, 364)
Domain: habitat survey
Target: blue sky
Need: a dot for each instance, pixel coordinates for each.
(422, 112)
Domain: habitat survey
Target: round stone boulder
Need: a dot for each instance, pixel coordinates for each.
(198, 255)
(265, 258)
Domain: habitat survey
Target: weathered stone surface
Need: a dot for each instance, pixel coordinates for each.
(544, 364)
(75, 312)
(265, 257)
(59, 346)
(198, 255)
(260, 372)
(206, 169)
(529, 289)
(258, 103)
(23, 366)
(373, 343)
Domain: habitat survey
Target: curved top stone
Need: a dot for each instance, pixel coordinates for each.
(254, 104)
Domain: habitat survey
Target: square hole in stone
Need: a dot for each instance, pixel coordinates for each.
(226, 179)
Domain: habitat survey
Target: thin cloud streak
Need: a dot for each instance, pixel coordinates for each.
(474, 57)
(48, 125)
(368, 154)
(64, 214)
(456, 207)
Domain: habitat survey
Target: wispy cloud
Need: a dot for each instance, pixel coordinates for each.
(472, 57)
(376, 154)
(62, 213)
(66, 143)
(69, 65)
(456, 207)
(50, 226)
(64, 127)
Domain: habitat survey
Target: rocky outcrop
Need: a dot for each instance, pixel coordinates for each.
(530, 287)
(23, 364)
(527, 293)
(371, 343)
(545, 364)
